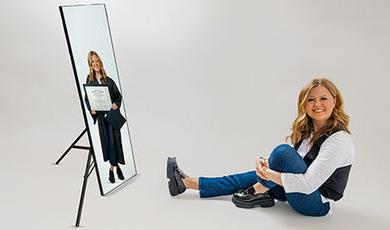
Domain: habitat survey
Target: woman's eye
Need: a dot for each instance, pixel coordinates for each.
(324, 98)
(310, 99)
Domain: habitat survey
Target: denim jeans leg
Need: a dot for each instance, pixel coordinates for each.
(285, 158)
(278, 193)
(308, 204)
(226, 185)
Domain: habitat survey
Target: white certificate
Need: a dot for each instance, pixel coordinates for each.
(98, 97)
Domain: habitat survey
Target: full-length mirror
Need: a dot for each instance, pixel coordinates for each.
(91, 49)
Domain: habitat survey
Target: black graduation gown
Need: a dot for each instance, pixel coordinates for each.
(103, 124)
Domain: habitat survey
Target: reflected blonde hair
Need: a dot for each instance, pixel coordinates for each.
(92, 74)
(303, 127)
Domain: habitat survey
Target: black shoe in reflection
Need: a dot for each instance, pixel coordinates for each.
(119, 173)
(111, 176)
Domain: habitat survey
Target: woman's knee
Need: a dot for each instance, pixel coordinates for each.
(282, 149)
(284, 157)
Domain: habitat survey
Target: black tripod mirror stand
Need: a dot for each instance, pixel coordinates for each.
(90, 166)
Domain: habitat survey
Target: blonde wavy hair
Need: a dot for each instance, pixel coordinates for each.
(303, 128)
(92, 74)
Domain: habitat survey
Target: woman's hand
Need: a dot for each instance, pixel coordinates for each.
(262, 168)
(93, 112)
(265, 173)
(114, 106)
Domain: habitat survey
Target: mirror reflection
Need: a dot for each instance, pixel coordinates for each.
(93, 60)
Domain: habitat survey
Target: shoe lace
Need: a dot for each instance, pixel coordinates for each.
(181, 173)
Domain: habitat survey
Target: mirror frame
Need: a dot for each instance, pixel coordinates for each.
(81, 98)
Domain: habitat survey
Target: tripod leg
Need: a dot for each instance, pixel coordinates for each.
(86, 174)
(70, 147)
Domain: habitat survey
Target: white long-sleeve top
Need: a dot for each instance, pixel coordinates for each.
(335, 152)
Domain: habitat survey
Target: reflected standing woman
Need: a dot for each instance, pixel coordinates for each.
(110, 137)
(309, 174)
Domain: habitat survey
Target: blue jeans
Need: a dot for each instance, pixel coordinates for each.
(283, 158)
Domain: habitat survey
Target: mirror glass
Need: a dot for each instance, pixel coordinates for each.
(93, 60)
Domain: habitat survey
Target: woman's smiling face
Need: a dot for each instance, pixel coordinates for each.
(95, 63)
(319, 105)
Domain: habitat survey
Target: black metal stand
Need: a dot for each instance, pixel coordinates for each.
(74, 146)
(90, 166)
(88, 170)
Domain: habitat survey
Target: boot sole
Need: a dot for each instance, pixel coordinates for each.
(170, 169)
(172, 185)
(261, 203)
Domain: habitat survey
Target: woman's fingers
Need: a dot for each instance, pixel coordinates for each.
(261, 167)
(258, 162)
(260, 171)
(258, 167)
(263, 172)
(265, 163)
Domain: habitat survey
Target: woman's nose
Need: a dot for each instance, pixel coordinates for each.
(317, 103)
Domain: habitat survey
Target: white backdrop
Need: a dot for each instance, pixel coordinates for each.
(214, 83)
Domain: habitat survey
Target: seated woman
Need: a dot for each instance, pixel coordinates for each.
(309, 174)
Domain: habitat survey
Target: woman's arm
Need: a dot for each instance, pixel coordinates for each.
(117, 96)
(336, 151)
(274, 176)
(265, 173)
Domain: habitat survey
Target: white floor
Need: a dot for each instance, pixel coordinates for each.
(46, 196)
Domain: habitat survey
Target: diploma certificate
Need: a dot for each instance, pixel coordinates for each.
(98, 97)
